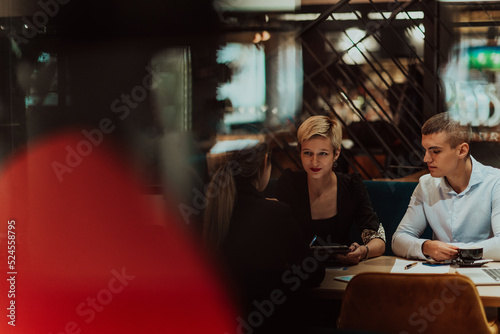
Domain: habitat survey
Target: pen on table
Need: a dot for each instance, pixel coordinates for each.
(411, 265)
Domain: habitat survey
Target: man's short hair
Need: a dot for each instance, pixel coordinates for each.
(456, 132)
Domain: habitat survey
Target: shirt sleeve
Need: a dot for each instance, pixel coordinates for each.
(491, 246)
(369, 235)
(406, 241)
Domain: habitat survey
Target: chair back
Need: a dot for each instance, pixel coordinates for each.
(413, 303)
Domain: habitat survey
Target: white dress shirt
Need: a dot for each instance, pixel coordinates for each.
(471, 218)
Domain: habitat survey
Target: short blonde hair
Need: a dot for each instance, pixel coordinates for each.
(321, 126)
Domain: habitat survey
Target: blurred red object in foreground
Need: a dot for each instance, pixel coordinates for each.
(92, 255)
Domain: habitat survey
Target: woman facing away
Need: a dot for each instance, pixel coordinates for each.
(327, 203)
(261, 244)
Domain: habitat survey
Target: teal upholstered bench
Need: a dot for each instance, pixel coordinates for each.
(390, 200)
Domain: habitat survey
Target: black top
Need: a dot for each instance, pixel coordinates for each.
(263, 245)
(353, 206)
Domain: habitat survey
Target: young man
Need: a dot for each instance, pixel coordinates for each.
(459, 199)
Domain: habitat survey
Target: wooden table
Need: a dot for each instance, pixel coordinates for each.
(334, 289)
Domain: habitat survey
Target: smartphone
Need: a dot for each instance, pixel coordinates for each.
(437, 263)
(332, 248)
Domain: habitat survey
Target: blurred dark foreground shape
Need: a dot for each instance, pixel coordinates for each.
(92, 255)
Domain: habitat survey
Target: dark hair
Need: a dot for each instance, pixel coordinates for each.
(443, 122)
(243, 165)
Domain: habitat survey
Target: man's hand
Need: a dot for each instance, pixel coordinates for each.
(439, 250)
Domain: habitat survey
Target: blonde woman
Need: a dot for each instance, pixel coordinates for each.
(326, 203)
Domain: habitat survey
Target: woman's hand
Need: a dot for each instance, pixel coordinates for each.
(356, 254)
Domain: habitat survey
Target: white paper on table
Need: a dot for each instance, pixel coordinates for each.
(399, 267)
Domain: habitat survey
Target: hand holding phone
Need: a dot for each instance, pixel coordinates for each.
(331, 248)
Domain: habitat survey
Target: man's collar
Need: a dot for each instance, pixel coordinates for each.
(476, 177)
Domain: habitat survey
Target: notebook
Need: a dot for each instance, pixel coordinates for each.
(482, 276)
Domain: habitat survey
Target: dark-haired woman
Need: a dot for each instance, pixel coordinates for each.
(262, 246)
